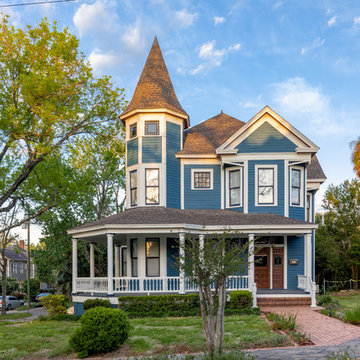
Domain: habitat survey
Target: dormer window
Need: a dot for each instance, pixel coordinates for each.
(133, 131)
(151, 127)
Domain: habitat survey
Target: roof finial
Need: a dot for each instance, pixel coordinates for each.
(221, 111)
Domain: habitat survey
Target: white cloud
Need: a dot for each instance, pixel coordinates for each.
(91, 18)
(185, 18)
(356, 20)
(332, 21)
(102, 61)
(213, 57)
(316, 44)
(14, 17)
(218, 20)
(307, 104)
(277, 5)
(132, 38)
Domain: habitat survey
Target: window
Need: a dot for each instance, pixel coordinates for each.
(151, 128)
(266, 192)
(15, 267)
(152, 252)
(308, 208)
(133, 131)
(134, 257)
(260, 260)
(201, 179)
(277, 260)
(123, 261)
(152, 186)
(21, 268)
(235, 188)
(295, 186)
(133, 188)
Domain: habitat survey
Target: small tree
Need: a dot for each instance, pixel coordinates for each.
(208, 267)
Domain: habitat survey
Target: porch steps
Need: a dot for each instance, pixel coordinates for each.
(283, 301)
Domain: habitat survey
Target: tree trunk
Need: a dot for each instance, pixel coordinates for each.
(355, 276)
(3, 283)
(204, 311)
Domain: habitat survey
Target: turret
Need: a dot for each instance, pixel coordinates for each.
(154, 122)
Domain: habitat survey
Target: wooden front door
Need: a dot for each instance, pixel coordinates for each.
(278, 267)
(262, 268)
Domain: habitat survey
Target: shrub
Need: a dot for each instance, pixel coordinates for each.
(240, 299)
(55, 304)
(102, 330)
(353, 316)
(12, 284)
(283, 321)
(92, 303)
(60, 317)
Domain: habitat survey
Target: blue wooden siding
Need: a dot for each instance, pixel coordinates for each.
(172, 253)
(152, 149)
(279, 209)
(266, 139)
(295, 250)
(79, 308)
(202, 199)
(132, 152)
(313, 238)
(173, 183)
(226, 191)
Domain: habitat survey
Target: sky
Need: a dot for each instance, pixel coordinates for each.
(300, 57)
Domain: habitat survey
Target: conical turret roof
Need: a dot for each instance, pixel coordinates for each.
(154, 89)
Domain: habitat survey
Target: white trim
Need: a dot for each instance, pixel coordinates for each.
(211, 171)
(305, 295)
(182, 184)
(122, 261)
(265, 156)
(196, 156)
(222, 196)
(246, 186)
(158, 110)
(285, 261)
(227, 184)
(286, 190)
(266, 166)
(301, 169)
(201, 161)
(307, 218)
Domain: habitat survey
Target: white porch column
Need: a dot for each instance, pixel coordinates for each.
(92, 260)
(201, 245)
(251, 259)
(74, 264)
(308, 255)
(182, 256)
(117, 260)
(110, 263)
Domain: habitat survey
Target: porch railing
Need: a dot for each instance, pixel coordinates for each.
(158, 284)
(305, 283)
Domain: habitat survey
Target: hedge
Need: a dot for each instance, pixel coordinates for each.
(92, 303)
(179, 305)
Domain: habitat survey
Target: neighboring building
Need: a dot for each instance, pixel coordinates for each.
(257, 178)
(17, 262)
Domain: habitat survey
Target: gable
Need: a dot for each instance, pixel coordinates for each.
(266, 139)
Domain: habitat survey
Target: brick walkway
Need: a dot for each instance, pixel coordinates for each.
(322, 329)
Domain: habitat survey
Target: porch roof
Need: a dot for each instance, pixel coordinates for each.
(156, 217)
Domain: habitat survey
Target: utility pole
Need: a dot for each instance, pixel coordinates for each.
(28, 264)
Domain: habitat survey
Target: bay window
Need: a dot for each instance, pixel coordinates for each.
(152, 186)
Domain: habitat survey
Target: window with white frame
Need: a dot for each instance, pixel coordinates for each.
(266, 185)
(152, 127)
(134, 257)
(123, 261)
(152, 186)
(234, 187)
(308, 208)
(133, 188)
(133, 131)
(296, 187)
(201, 179)
(152, 254)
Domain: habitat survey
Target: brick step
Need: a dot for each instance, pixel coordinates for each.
(283, 301)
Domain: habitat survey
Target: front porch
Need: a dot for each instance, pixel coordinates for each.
(140, 250)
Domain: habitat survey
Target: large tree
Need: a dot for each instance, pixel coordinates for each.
(49, 98)
(343, 205)
(356, 157)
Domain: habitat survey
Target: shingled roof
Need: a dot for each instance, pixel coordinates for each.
(15, 253)
(207, 136)
(314, 170)
(154, 89)
(161, 215)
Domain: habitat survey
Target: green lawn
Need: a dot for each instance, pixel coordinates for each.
(348, 302)
(50, 338)
(15, 316)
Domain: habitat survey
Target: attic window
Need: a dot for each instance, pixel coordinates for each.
(151, 128)
(133, 131)
(201, 179)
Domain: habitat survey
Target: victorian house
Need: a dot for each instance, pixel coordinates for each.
(257, 178)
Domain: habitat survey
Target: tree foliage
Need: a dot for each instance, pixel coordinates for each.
(338, 235)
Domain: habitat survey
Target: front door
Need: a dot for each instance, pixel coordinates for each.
(262, 268)
(278, 267)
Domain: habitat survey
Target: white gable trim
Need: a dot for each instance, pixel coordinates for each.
(301, 141)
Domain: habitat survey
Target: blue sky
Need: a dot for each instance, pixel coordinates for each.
(302, 58)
